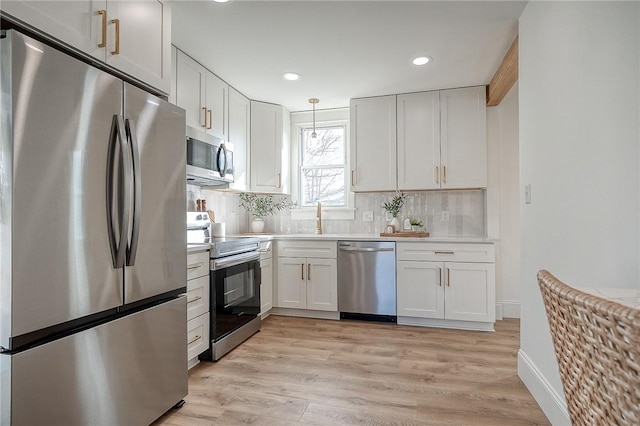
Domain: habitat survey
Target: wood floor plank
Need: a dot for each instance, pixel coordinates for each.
(326, 372)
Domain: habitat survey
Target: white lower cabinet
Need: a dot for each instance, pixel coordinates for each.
(197, 306)
(266, 288)
(454, 293)
(307, 283)
(307, 274)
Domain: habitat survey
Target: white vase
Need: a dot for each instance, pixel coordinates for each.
(396, 224)
(257, 225)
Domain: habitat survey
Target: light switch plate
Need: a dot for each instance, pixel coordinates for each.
(367, 216)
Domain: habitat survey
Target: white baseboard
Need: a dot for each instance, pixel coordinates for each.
(306, 313)
(552, 404)
(510, 308)
(440, 323)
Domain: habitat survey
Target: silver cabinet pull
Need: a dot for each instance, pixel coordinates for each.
(302, 271)
(195, 299)
(195, 339)
(309, 272)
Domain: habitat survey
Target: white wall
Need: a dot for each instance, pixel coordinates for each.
(579, 150)
(503, 203)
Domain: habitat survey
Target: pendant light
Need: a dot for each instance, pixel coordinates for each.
(314, 101)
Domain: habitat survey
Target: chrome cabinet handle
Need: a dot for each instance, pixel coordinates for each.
(439, 275)
(448, 277)
(103, 15)
(195, 299)
(195, 339)
(309, 272)
(116, 50)
(302, 271)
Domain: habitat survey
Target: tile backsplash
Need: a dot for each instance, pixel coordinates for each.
(466, 213)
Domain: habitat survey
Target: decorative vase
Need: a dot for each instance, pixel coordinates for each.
(396, 224)
(257, 225)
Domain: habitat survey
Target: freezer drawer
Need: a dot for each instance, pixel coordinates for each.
(128, 371)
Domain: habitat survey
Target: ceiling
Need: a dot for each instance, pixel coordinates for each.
(345, 49)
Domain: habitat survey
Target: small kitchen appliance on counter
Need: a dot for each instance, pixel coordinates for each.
(234, 286)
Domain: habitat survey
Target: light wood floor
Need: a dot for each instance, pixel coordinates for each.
(321, 372)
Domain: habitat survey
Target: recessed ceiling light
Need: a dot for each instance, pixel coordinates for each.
(220, 1)
(291, 76)
(421, 60)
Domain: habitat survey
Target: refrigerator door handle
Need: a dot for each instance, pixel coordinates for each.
(137, 192)
(121, 217)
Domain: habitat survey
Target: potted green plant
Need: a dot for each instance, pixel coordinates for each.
(393, 208)
(260, 206)
(416, 224)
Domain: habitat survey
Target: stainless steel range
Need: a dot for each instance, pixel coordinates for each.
(235, 286)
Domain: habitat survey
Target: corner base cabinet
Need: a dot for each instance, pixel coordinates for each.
(197, 305)
(451, 283)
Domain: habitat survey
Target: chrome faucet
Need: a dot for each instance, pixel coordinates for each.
(319, 219)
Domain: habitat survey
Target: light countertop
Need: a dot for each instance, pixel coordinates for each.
(371, 237)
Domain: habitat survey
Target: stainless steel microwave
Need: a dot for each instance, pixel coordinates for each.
(209, 163)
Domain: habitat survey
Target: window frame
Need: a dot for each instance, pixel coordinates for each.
(302, 167)
(324, 118)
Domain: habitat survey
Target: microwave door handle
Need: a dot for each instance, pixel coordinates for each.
(222, 152)
(118, 248)
(130, 128)
(226, 159)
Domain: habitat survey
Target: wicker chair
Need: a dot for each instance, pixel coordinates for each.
(597, 344)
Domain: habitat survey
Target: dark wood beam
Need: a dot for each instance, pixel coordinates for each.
(505, 77)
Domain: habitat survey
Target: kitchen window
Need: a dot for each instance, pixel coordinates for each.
(322, 166)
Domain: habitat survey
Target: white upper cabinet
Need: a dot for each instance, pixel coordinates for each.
(239, 137)
(216, 95)
(270, 129)
(419, 141)
(463, 122)
(441, 141)
(131, 36)
(373, 144)
(190, 90)
(203, 96)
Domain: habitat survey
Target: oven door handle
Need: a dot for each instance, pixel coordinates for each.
(239, 259)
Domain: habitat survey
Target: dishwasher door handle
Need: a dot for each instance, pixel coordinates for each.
(365, 249)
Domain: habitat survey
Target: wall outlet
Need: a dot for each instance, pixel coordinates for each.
(445, 216)
(367, 216)
(406, 224)
(527, 193)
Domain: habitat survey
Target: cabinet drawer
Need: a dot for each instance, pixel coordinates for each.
(197, 297)
(444, 252)
(197, 335)
(306, 248)
(197, 265)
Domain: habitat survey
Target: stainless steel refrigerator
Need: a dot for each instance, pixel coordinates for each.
(92, 244)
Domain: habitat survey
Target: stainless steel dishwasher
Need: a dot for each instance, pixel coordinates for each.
(367, 280)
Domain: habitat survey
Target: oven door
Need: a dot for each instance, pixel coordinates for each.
(235, 293)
